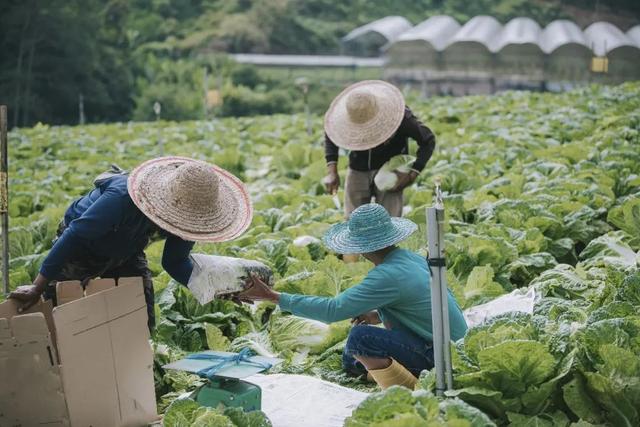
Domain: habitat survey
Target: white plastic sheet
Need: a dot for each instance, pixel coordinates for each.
(299, 400)
(213, 275)
(519, 300)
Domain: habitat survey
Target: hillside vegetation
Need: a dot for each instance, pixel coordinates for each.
(121, 56)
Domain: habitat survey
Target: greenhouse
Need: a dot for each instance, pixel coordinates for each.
(470, 50)
(422, 44)
(568, 53)
(369, 39)
(622, 52)
(483, 56)
(634, 34)
(519, 57)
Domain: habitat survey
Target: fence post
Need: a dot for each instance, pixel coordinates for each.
(4, 197)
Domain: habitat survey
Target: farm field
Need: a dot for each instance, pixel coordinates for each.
(542, 191)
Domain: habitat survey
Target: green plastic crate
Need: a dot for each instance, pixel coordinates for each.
(230, 393)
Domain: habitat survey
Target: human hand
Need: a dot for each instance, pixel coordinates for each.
(235, 298)
(26, 295)
(332, 180)
(370, 318)
(258, 291)
(404, 180)
(331, 183)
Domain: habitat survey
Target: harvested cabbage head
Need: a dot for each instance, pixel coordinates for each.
(386, 178)
(300, 334)
(216, 276)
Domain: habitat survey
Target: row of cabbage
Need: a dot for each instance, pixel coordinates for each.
(541, 190)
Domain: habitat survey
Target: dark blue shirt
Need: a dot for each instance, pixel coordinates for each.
(107, 224)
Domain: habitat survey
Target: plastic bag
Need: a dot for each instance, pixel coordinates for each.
(518, 300)
(215, 276)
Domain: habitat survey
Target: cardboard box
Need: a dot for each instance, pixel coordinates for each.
(86, 362)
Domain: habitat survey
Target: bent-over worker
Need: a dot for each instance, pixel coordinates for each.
(104, 233)
(396, 293)
(371, 120)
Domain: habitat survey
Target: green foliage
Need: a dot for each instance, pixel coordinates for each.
(188, 413)
(242, 101)
(398, 406)
(176, 85)
(539, 192)
(124, 56)
(627, 218)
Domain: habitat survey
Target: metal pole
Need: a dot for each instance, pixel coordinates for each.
(439, 295)
(205, 91)
(157, 109)
(4, 197)
(307, 110)
(444, 294)
(81, 117)
(436, 299)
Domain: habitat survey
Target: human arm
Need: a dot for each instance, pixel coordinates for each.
(28, 295)
(373, 292)
(370, 318)
(103, 215)
(413, 128)
(332, 180)
(175, 258)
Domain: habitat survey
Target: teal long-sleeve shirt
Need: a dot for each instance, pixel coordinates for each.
(399, 289)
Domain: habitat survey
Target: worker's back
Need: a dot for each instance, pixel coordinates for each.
(411, 308)
(108, 213)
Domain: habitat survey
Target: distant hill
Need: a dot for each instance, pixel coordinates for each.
(111, 58)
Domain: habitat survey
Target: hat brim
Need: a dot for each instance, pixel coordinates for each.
(340, 240)
(363, 136)
(229, 220)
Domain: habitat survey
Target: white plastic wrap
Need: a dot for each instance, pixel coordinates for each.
(214, 276)
(295, 400)
(519, 300)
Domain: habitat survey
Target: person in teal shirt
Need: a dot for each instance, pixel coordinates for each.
(395, 293)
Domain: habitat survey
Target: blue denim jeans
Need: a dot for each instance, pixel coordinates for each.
(411, 351)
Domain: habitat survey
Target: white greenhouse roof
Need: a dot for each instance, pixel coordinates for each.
(560, 33)
(604, 37)
(443, 31)
(518, 31)
(634, 34)
(480, 29)
(437, 30)
(390, 28)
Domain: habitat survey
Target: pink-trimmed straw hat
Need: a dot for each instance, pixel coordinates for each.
(191, 199)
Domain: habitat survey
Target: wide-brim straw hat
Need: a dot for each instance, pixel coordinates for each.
(368, 229)
(191, 199)
(364, 115)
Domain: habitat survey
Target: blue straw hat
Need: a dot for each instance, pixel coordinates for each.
(369, 228)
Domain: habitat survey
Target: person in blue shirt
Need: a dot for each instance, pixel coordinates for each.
(105, 232)
(395, 293)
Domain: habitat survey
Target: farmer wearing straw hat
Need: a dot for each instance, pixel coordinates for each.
(371, 120)
(396, 293)
(104, 233)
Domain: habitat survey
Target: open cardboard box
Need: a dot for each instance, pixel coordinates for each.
(86, 362)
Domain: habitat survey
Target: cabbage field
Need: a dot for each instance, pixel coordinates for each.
(542, 191)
